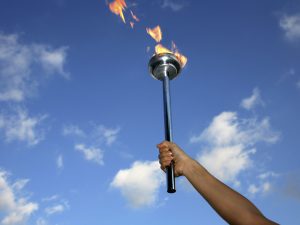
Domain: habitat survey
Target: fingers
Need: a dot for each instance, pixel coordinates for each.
(165, 154)
(164, 144)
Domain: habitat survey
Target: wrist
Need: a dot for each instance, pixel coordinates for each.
(192, 167)
(189, 166)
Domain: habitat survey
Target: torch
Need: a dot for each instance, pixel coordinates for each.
(165, 67)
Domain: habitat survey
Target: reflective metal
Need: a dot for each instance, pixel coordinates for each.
(166, 67)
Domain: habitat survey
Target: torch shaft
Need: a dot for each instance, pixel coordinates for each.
(168, 130)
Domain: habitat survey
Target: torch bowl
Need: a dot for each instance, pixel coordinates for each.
(164, 64)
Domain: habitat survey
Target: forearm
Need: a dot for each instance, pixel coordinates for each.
(230, 205)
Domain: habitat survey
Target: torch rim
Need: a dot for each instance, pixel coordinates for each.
(164, 63)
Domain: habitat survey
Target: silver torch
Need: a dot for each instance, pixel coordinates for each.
(165, 67)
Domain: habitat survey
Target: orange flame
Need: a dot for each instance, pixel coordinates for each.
(117, 8)
(181, 58)
(159, 48)
(155, 33)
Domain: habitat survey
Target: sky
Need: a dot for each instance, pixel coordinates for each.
(80, 115)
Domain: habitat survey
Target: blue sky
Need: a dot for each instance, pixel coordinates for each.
(80, 116)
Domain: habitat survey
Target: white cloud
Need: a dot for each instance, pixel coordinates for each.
(17, 61)
(73, 130)
(108, 134)
(55, 209)
(263, 188)
(253, 100)
(230, 142)
(41, 221)
(173, 5)
(291, 26)
(266, 187)
(140, 183)
(15, 209)
(51, 198)
(298, 84)
(97, 136)
(21, 127)
(20, 184)
(268, 174)
(60, 162)
(226, 163)
(227, 129)
(93, 154)
(52, 60)
(253, 189)
(57, 205)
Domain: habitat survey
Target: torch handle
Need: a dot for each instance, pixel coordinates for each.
(168, 131)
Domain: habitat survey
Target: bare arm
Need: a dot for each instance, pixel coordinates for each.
(229, 204)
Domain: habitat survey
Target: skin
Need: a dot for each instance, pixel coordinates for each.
(229, 204)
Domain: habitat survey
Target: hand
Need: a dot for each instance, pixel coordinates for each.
(169, 151)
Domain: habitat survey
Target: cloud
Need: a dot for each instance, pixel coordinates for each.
(263, 188)
(55, 209)
(268, 174)
(15, 209)
(229, 142)
(226, 163)
(20, 184)
(264, 185)
(253, 189)
(41, 221)
(93, 154)
(290, 24)
(109, 135)
(60, 162)
(73, 130)
(253, 100)
(227, 129)
(21, 127)
(18, 61)
(97, 136)
(58, 207)
(173, 5)
(52, 60)
(140, 183)
(51, 198)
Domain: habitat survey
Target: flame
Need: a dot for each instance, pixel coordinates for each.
(182, 59)
(155, 33)
(134, 17)
(159, 48)
(117, 8)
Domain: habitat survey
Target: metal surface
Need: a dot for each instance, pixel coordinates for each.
(165, 63)
(166, 67)
(168, 131)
